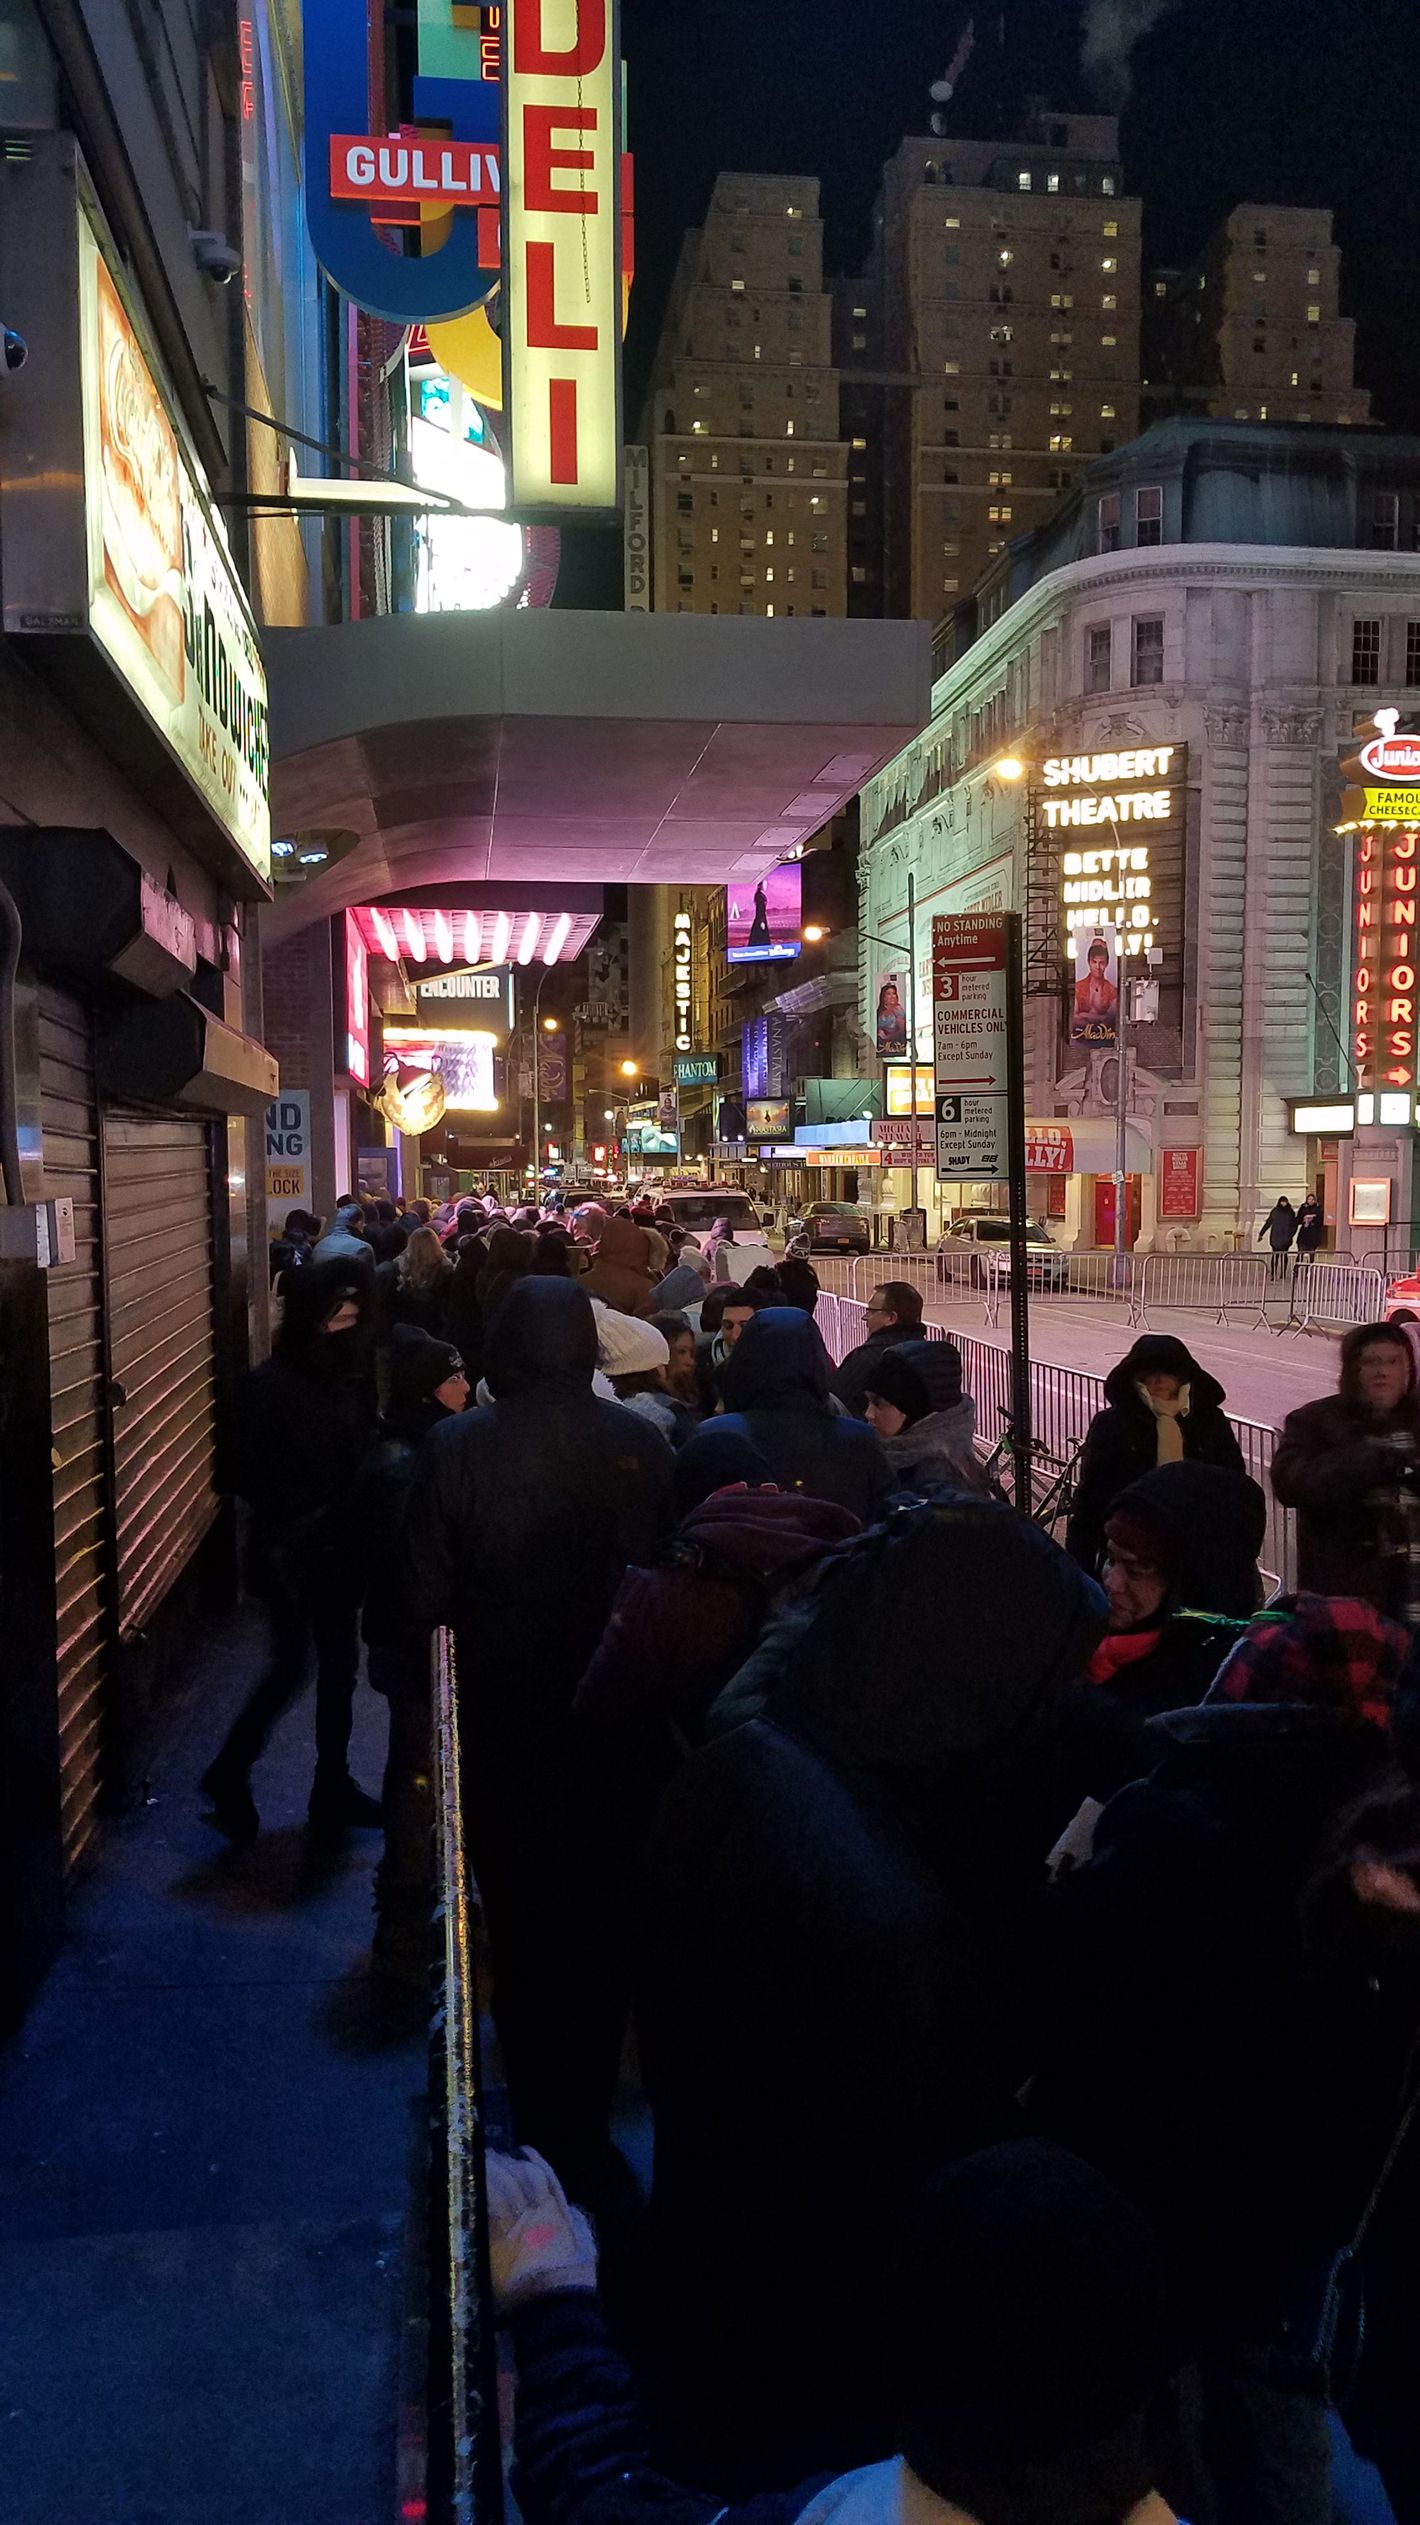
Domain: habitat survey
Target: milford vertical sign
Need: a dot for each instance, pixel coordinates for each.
(562, 290)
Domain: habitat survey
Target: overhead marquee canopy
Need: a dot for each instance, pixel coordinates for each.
(546, 748)
(518, 932)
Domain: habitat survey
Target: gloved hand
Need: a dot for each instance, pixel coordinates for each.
(537, 2241)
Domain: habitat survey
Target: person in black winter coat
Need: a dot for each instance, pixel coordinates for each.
(300, 1426)
(1179, 1545)
(775, 1385)
(893, 1313)
(1160, 1408)
(820, 2002)
(426, 1386)
(1311, 1227)
(1172, 2043)
(1346, 1464)
(522, 1519)
(1279, 1227)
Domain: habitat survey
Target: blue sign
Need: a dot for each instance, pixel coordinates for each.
(700, 1069)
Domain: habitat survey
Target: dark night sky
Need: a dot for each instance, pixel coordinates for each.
(1233, 100)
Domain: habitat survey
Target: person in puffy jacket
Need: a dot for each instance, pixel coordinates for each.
(922, 1418)
(523, 1517)
(1347, 1464)
(622, 1276)
(300, 1426)
(775, 1388)
(820, 2000)
(1180, 1546)
(1023, 2326)
(426, 1386)
(1160, 1408)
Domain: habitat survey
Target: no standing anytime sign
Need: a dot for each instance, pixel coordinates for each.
(969, 1017)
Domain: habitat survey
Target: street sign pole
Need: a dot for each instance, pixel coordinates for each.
(1016, 1160)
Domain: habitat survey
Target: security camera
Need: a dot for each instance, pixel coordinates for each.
(14, 349)
(220, 261)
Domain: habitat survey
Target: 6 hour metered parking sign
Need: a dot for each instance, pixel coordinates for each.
(970, 1046)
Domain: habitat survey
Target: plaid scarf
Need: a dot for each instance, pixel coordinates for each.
(1332, 1652)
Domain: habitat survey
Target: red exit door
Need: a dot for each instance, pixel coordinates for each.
(1104, 1210)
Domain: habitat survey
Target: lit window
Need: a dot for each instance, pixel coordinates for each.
(860, 341)
(860, 443)
(1061, 446)
(951, 223)
(1109, 262)
(698, 428)
(738, 288)
(1107, 412)
(999, 514)
(788, 429)
(1005, 256)
(769, 576)
(1023, 180)
(1107, 184)
(1052, 184)
(1147, 665)
(1313, 313)
(1002, 481)
(1061, 411)
(950, 586)
(1260, 278)
(1109, 304)
(1262, 412)
(1109, 341)
(860, 313)
(1111, 228)
(793, 212)
(1296, 376)
(1313, 278)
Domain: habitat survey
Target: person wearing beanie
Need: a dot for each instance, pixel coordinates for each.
(1181, 1580)
(1024, 2338)
(426, 1384)
(300, 1424)
(1161, 1407)
(1350, 1466)
(924, 1421)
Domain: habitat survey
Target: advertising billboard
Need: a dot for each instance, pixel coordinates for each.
(767, 1118)
(165, 602)
(1094, 1009)
(462, 1062)
(891, 999)
(764, 922)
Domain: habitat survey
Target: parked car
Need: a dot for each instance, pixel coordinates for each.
(698, 1210)
(833, 1227)
(1402, 1300)
(986, 1237)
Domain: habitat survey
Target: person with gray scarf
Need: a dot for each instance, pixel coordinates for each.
(924, 1419)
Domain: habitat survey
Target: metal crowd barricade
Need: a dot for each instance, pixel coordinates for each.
(1335, 1293)
(464, 2467)
(1220, 1285)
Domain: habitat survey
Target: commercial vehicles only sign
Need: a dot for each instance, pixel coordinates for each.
(970, 1047)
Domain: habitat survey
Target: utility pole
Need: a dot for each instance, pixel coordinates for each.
(1016, 1166)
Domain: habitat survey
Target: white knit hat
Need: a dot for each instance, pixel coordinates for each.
(625, 1346)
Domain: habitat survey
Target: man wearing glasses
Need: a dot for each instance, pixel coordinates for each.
(894, 1314)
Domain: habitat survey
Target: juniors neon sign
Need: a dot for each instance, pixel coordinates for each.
(1386, 948)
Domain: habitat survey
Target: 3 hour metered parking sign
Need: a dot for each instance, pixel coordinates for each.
(970, 1046)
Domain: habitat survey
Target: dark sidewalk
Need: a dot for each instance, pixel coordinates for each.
(206, 2134)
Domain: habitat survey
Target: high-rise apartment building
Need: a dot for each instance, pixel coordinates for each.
(1253, 330)
(990, 349)
(748, 469)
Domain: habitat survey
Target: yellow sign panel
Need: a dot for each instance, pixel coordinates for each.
(1393, 806)
(562, 256)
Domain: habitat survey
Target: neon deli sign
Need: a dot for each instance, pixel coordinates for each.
(1385, 985)
(683, 953)
(562, 255)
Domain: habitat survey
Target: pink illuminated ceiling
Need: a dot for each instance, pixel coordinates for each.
(541, 749)
(516, 933)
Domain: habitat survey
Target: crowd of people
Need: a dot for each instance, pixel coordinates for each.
(1016, 1937)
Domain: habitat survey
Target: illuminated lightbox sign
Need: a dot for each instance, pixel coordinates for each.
(683, 956)
(1142, 787)
(1113, 881)
(165, 602)
(1384, 988)
(561, 236)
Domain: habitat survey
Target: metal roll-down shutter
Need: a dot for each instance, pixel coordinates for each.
(74, 1293)
(158, 1221)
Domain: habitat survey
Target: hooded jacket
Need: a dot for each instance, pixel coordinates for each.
(300, 1425)
(936, 1449)
(852, 1381)
(523, 1517)
(1174, 2027)
(1122, 1441)
(341, 1243)
(1334, 1465)
(820, 2005)
(1210, 1525)
(621, 1275)
(684, 1287)
(775, 1385)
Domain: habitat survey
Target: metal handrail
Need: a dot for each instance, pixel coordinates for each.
(465, 2467)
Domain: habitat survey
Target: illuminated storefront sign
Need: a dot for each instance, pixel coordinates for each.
(462, 1063)
(164, 600)
(562, 296)
(899, 1092)
(1131, 788)
(1114, 881)
(683, 954)
(1385, 988)
(357, 1002)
